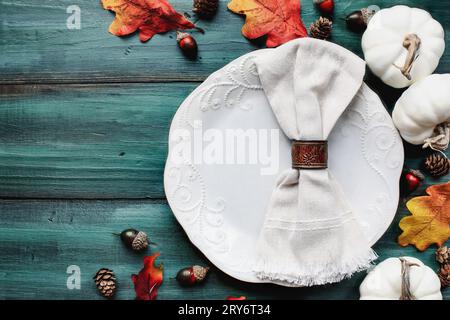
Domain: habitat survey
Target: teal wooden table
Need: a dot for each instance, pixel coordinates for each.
(84, 119)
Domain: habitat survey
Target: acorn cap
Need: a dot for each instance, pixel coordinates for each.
(140, 242)
(417, 173)
(200, 272)
(182, 35)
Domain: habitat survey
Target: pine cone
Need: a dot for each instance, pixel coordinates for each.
(140, 242)
(321, 29)
(443, 255)
(105, 281)
(444, 275)
(437, 164)
(205, 8)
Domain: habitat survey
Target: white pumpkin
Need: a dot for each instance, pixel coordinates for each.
(422, 107)
(404, 278)
(402, 45)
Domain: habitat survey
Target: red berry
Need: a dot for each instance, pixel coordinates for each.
(326, 7)
(187, 44)
(413, 181)
(410, 181)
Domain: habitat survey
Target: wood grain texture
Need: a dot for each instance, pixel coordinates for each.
(99, 141)
(40, 239)
(80, 141)
(37, 47)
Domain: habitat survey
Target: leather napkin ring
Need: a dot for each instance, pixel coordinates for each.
(309, 154)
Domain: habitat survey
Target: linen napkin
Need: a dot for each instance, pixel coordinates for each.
(310, 235)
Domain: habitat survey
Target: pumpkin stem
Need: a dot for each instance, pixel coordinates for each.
(440, 139)
(406, 287)
(412, 44)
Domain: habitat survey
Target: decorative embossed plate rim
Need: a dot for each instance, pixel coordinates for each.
(202, 211)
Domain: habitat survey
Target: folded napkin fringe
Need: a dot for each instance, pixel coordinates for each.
(314, 273)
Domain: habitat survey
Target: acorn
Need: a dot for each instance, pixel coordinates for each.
(187, 44)
(134, 239)
(357, 20)
(410, 180)
(192, 275)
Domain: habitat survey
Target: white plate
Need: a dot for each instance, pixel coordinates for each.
(222, 207)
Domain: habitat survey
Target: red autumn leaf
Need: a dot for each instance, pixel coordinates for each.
(148, 16)
(148, 280)
(279, 19)
(236, 298)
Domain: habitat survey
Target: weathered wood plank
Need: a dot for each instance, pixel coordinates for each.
(95, 142)
(86, 141)
(40, 239)
(37, 47)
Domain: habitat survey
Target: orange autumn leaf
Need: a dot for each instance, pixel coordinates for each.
(429, 222)
(278, 19)
(148, 16)
(147, 281)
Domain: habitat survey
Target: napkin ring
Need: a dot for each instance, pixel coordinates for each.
(309, 154)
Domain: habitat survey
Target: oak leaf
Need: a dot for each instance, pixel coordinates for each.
(148, 16)
(278, 19)
(147, 281)
(429, 222)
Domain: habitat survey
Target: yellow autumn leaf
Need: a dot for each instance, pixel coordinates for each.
(429, 222)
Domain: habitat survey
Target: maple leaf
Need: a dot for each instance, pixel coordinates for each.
(147, 281)
(279, 19)
(148, 16)
(429, 222)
